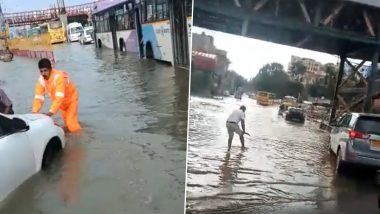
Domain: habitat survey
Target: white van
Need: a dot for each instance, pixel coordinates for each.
(73, 31)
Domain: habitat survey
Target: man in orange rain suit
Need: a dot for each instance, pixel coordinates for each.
(62, 92)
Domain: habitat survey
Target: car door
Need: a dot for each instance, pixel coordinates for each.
(343, 129)
(16, 159)
(334, 132)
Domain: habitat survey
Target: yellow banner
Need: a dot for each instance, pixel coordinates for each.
(36, 47)
(35, 43)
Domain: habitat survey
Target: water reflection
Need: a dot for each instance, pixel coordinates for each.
(229, 171)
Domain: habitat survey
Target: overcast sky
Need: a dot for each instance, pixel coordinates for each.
(10, 6)
(246, 59)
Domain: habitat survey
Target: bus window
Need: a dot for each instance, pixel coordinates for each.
(143, 11)
(189, 7)
(150, 10)
(162, 10)
(121, 20)
(44, 29)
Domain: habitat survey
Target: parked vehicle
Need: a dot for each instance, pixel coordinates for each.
(73, 31)
(295, 115)
(27, 144)
(55, 29)
(355, 139)
(87, 36)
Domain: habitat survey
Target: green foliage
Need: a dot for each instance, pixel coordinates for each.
(326, 89)
(233, 80)
(273, 78)
(298, 68)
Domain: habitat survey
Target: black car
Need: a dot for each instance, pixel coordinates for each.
(295, 114)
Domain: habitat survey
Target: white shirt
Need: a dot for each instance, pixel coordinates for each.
(236, 116)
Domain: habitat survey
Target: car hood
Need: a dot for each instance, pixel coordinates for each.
(32, 118)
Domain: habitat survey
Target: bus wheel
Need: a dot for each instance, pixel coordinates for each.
(99, 43)
(149, 51)
(122, 45)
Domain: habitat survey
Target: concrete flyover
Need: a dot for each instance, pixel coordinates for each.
(348, 28)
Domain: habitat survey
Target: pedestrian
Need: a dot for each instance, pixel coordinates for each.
(233, 125)
(5, 103)
(62, 92)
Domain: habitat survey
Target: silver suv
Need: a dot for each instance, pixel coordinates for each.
(355, 139)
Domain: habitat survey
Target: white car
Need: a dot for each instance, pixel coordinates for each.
(27, 143)
(86, 36)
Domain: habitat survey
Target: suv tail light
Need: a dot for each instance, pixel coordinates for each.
(357, 135)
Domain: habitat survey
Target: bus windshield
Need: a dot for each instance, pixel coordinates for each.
(262, 94)
(289, 99)
(55, 24)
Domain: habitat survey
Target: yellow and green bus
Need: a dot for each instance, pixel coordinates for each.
(264, 98)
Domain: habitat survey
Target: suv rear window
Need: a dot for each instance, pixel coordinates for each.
(368, 125)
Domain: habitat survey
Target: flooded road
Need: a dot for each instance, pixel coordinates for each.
(130, 157)
(286, 167)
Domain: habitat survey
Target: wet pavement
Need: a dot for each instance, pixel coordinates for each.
(130, 157)
(286, 167)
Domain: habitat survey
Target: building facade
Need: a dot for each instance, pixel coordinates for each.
(314, 74)
(208, 58)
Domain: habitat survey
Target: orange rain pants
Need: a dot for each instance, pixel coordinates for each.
(63, 95)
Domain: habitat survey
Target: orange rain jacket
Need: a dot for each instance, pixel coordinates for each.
(63, 95)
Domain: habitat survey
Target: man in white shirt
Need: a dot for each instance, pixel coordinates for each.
(233, 125)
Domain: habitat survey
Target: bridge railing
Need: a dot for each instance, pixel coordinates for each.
(28, 17)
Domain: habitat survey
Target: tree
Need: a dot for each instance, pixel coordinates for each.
(273, 78)
(298, 68)
(330, 70)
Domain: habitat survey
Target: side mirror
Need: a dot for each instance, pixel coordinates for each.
(334, 123)
(19, 125)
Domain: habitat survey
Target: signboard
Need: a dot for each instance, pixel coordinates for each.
(204, 61)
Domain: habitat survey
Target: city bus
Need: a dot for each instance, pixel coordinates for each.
(55, 29)
(264, 98)
(137, 26)
(114, 25)
(156, 29)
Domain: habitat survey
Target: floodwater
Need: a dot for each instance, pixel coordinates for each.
(130, 156)
(286, 167)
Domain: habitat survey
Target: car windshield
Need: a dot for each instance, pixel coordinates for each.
(294, 110)
(76, 30)
(368, 125)
(89, 32)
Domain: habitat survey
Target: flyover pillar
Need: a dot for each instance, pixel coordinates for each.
(334, 101)
(372, 79)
